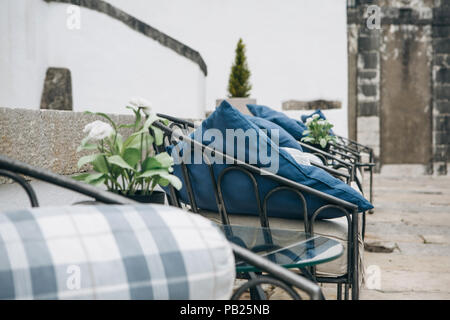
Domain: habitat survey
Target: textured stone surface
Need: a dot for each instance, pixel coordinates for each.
(46, 138)
(402, 77)
(57, 93)
(311, 105)
(413, 213)
(406, 115)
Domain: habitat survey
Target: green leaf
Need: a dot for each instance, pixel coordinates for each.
(104, 115)
(150, 163)
(163, 182)
(120, 162)
(88, 159)
(96, 179)
(94, 176)
(98, 182)
(159, 135)
(163, 174)
(153, 172)
(100, 165)
(173, 180)
(84, 145)
(164, 159)
(132, 156)
(323, 143)
(134, 141)
(81, 177)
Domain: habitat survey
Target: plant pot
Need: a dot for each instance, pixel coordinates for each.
(239, 103)
(158, 197)
(155, 197)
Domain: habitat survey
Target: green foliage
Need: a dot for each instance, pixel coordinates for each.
(238, 83)
(127, 166)
(318, 132)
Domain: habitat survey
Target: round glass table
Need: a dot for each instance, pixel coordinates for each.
(287, 248)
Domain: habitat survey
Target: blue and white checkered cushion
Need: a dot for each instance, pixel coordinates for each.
(112, 252)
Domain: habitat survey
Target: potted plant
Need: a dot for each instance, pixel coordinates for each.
(318, 133)
(128, 166)
(238, 83)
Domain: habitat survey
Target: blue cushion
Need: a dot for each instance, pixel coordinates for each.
(318, 111)
(238, 189)
(293, 127)
(285, 139)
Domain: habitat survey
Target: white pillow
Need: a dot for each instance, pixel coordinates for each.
(304, 158)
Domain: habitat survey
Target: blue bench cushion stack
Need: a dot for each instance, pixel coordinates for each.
(237, 187)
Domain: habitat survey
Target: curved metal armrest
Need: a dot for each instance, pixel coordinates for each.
(62, 181)
(257, 170)
(177, 120)
(312, 289)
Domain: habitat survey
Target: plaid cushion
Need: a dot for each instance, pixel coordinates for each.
(112, 252)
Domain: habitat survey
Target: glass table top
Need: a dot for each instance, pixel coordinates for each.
(288, 248)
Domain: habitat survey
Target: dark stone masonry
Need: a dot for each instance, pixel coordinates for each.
(57, 92)
(399, 81)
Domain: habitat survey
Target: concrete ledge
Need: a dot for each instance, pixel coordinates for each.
(47, 138)
(310, 105)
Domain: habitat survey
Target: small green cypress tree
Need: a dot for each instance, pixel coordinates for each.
(238, 84)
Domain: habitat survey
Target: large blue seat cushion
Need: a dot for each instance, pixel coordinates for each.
(294, 127)
(285, 139)
(237, 187)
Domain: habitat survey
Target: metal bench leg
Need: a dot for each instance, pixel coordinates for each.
(339, 291)
(256, 293)
(355, 260)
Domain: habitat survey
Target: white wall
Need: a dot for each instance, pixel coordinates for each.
(109, 62)
(296, 49)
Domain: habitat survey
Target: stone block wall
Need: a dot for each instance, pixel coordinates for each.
(399, 81)
(441, 86)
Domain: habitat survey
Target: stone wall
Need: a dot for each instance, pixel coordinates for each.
(47, 138)
(441, 86)
(399, 81)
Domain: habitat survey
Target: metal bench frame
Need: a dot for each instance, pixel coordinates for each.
(349, 280)
(277, 275)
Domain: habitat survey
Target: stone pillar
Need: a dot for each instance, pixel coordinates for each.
(441, 87)
(57, 93)
(364, 77)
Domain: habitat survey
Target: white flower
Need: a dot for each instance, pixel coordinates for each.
(309, 120)
(140, 102)
(98, 130)
(315, 116)
(321, 122)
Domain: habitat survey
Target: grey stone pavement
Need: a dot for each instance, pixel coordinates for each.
(411, 219)
(411, 224)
